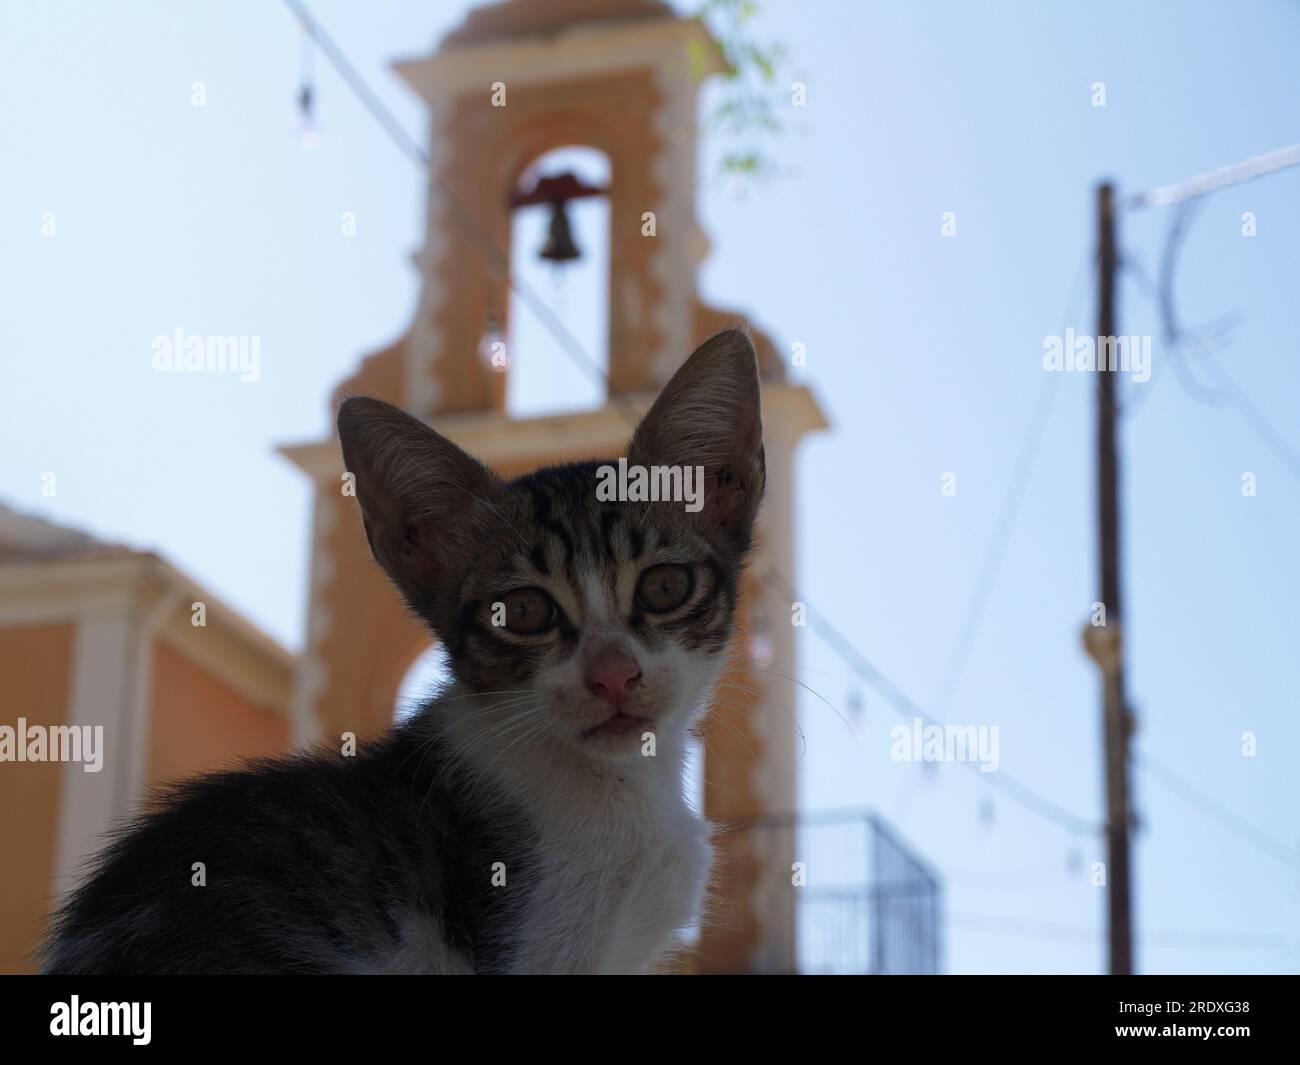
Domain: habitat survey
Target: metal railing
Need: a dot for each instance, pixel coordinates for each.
(853, 896)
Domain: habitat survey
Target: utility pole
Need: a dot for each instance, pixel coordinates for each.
(1105, 641)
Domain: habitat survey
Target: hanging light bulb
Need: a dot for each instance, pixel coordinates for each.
(761, 652)
(855, 703)
(308, 134)
(492, 345)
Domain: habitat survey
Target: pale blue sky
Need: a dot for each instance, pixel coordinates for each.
(925, 352)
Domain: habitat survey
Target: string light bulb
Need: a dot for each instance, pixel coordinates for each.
(308, 134)
(855, 704)
(761, 651)
(492, 345)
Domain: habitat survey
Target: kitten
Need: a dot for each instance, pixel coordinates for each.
(530, 818)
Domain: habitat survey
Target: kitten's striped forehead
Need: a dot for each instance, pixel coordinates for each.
(583, 537)
(588, 554)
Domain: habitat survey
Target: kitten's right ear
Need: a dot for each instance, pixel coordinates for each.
(419, 496)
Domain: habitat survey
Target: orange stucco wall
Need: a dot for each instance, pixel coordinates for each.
(198, 723)
(35, 677)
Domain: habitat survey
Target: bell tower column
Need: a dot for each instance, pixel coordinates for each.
(513, 82)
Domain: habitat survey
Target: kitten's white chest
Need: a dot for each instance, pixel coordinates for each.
(619, 886)
(666, 875)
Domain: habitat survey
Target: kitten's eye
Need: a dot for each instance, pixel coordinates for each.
(663, 588)
(529, 611)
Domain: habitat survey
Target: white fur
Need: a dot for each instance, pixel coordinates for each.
(624, 859)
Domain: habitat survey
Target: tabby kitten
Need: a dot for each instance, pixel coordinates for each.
(517, 823)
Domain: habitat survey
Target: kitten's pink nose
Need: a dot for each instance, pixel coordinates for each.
(613, 678)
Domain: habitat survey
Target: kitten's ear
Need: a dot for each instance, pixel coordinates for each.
(419, 496)
(710, 415)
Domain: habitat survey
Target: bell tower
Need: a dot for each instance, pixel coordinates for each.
(514, 81)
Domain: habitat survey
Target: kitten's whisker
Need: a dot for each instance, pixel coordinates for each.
(743, 710)
(819, 695)
(423, 747)
(739, 656)
(538, 728)
(441, 699)
(517, 711)
(724, 704)
(480, 775)
(480, 695)
(474, 713)
(500, 728)
(738, 734)
(504, 704)
(812, 691)
(505, 727)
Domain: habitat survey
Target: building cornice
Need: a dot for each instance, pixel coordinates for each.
(242, 656)
(789, 411)
(581, 50)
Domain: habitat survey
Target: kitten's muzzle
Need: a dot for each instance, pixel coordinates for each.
(612, 677)
(619, 724)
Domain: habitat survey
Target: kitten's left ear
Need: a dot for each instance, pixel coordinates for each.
(710, 415)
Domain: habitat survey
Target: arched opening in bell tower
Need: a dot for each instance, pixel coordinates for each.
(573, 281)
